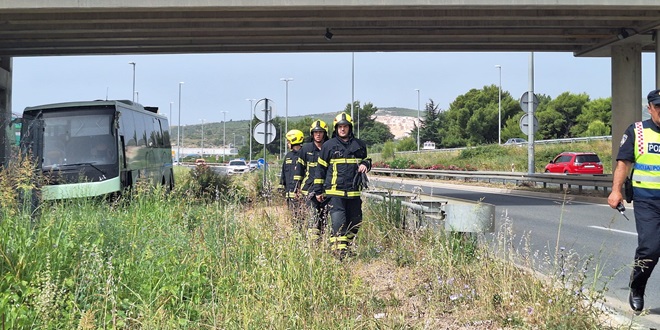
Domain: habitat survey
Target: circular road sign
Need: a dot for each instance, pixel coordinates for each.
(263, 110)
(524, 124)
(260, 133)
(524, 100)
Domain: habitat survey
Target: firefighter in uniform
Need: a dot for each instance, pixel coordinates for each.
(289, 180)
(340, 175)
(306, 168)
(639, 152)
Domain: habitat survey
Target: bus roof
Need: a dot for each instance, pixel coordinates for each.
(124, 103)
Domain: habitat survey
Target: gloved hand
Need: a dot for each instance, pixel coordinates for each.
(360, 181)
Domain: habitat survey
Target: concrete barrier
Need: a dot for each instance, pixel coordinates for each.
(476, 218)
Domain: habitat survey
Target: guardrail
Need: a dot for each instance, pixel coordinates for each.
(552, 141)
(596, 182)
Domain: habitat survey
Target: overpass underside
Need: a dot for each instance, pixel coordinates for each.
(603, 28)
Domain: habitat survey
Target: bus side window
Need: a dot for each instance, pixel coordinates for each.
(140, 129)
(166, 134)
(127, 128)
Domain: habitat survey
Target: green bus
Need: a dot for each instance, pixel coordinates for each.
(96, 148)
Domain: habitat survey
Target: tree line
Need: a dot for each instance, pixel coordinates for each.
(471, 119)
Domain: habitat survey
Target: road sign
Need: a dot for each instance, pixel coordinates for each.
(524, 100)
(263, 110)
(524, 124)
(260, 133)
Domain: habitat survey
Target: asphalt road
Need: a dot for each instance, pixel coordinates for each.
(585, 226)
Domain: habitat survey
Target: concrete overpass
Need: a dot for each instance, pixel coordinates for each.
(603, 28)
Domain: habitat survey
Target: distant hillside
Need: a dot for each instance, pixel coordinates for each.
(391, 111)
(399, 120)
(394, 111)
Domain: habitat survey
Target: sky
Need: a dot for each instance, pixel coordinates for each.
(322, 82)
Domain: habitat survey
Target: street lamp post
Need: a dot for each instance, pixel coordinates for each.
(250, 125)
(170, 117)
(418, 119)
(234, 134)
(178, 128)
(224, 130)
(499, 108)
(202, 138)
(286, 106)
(137, 97)
(133, 64)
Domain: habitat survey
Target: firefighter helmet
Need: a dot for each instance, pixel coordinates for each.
(318, 126)
(343, 119)
(295, 136)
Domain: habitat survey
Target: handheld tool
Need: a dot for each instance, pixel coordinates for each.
(621, 210)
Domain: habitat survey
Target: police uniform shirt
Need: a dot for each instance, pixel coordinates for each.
(626, 152)
(627, 144)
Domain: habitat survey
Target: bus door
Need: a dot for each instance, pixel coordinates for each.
(32, 138)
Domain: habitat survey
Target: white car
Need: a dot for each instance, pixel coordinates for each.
(254, 164)
(515, 141)
(237, 166)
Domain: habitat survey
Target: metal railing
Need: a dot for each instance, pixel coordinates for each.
(594, 182)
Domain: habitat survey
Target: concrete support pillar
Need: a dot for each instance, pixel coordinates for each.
(626, 91)
(6, 135)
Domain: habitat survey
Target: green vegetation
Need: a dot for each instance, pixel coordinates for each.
(186, 261)
(492, 157)
(471, 120)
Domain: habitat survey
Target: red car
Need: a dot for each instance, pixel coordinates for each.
(575, 163)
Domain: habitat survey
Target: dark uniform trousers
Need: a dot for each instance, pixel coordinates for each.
(647, 220)
(346, 217)
(319, 217)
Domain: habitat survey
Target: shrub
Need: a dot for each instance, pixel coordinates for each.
(380, 165)
(206, 184)
(480, 152)
(388, 150)
(400, 163)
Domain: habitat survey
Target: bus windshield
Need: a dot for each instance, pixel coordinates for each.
(71, 138)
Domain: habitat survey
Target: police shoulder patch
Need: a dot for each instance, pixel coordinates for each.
(623, 139)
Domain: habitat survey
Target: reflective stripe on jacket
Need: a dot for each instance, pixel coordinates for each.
(337, 166)
(307, 161)
(646, 175)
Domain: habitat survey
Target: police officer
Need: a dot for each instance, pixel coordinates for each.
(307, 162)
(289, 180)
(639, 152)
(341, 166)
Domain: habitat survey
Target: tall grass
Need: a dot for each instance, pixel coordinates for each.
(171, 261)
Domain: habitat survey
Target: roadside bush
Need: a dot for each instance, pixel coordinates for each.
(400, 163)
(407, 144)
(480, 152)
(206, 184)
(388, 150)
(380, 165)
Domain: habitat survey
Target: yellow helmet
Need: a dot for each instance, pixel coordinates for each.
(343, 119)
(318, 126)
(295, 136)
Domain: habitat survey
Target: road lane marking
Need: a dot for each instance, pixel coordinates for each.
(614, 230)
